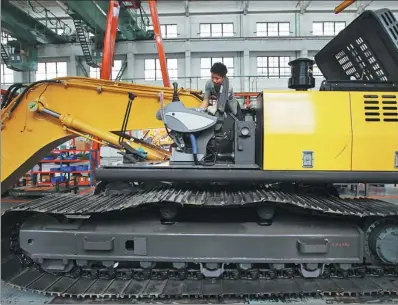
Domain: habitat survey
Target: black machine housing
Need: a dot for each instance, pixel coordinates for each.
(363, 56)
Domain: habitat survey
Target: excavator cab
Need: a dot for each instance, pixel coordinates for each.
(198, 135)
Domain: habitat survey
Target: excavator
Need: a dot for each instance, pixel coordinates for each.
(244, 204)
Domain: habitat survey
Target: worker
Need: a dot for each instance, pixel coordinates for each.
(212, 88)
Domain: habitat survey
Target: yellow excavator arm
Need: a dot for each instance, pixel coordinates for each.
(49, 113)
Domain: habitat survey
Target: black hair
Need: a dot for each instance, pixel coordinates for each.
(219, 68)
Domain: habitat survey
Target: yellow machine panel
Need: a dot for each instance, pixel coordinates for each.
(375, 131)
(307, 131)
(85, 105)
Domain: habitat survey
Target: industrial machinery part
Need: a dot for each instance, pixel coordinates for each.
(302, 74)
(19, 56)
(342, 6)
(365, 50)
(111, 248)
(159, 43)
(48, 113)
(112, 21)
(316, 149)
(244, 205)
(358, 85)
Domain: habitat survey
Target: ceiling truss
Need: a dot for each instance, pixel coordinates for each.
(245, 6)
(303, 5)
(362, 5)
(187, 8)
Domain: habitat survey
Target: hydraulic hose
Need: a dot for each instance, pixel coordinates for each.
(194, 148)
(5, 96)
(19, 99)
(9, 94)
(14, 93)
(200, 97)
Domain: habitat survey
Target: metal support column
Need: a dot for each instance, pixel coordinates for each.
(188, 80)
(72, 67)
(246, 71)
(159, 42)
(112, 21)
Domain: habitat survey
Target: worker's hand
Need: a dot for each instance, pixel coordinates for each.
(212, 109)
(212, 102)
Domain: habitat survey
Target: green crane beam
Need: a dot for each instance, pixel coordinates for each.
(19, 32)
(25, 27)
(129, 28)
(89, 13)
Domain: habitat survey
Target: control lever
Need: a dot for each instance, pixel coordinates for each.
(132, 97)
(175, 94)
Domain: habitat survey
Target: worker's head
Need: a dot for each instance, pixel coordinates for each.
(218, 73)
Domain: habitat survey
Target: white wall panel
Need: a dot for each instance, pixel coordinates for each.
(244, 46)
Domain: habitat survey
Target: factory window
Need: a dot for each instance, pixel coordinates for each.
(166, 30)
(117, 65)
(327, 28)
(206, 63)
(216, 29)
(273, 66)
(5, 38)
(172, 67)
(7, 75)
(316, 71)
(273, 29)
(96, 73)
(154, 72)
(59, 30)
(49, 70)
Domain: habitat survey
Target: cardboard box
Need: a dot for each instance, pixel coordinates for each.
(45, 178)
(82, 144)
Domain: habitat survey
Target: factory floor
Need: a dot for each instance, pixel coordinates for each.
(13, 296)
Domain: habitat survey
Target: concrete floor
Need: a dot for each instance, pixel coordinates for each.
(13, 296)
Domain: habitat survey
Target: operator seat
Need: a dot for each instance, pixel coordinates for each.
(189, 123)
(185, 120)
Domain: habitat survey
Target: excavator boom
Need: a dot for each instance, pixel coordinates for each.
(49, 113)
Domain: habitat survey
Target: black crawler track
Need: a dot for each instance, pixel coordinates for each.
(19, 271)
(34, 280)
(90, 204)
